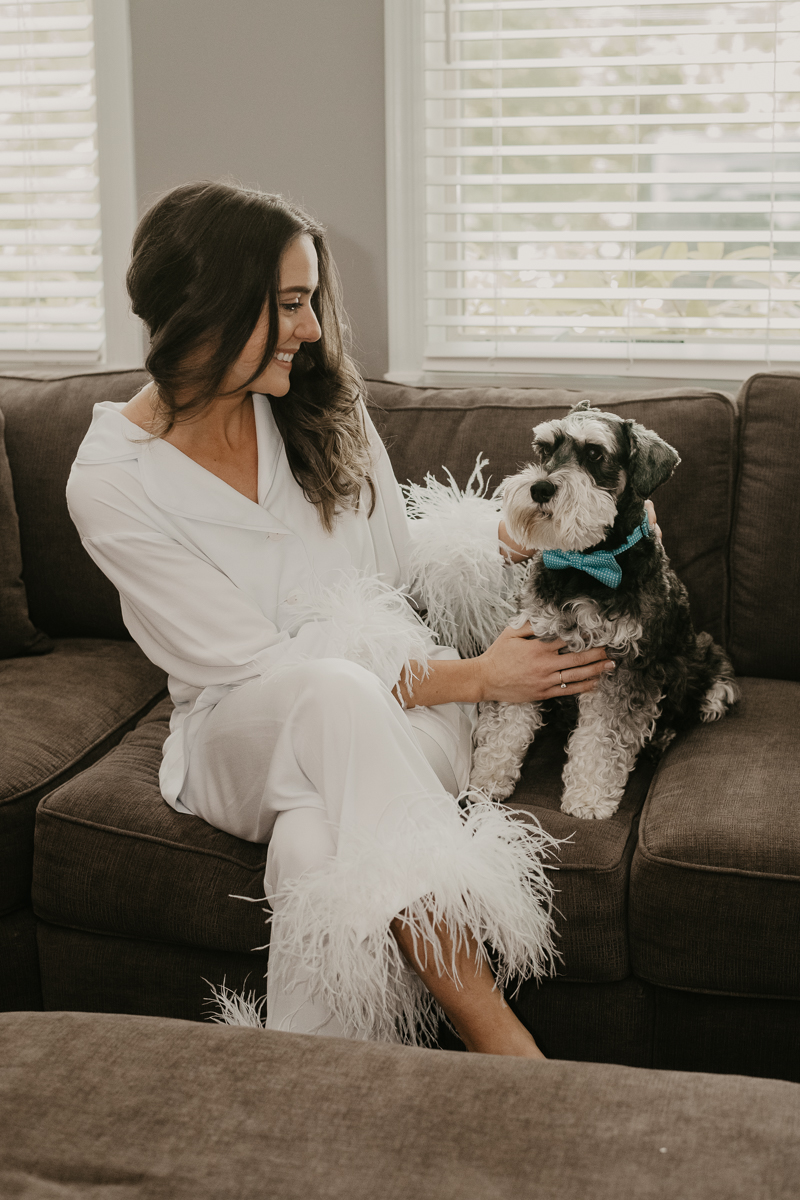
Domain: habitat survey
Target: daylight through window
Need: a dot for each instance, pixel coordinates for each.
(612, 181)
(50, 272)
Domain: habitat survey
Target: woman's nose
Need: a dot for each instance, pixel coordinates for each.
(308, 330)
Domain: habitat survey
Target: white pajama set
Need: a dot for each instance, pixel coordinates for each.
(277, 736)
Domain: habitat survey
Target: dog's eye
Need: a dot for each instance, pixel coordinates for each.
(594, 453)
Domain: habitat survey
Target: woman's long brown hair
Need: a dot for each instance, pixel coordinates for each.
(205, 262)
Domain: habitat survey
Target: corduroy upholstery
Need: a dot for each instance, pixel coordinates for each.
(60, 713)
(765, 564)
(17, 633)
(715, 882)
(45, 423)
(156, 1109)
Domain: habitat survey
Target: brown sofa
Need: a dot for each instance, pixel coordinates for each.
(678, 917)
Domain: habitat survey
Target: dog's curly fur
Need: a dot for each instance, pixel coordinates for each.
(598, 469)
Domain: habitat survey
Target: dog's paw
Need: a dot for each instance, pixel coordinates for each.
(588, 808)
(494, 788)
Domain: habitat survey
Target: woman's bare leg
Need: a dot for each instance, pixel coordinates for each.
(480, 1015)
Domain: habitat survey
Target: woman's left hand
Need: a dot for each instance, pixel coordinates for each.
(651, 516)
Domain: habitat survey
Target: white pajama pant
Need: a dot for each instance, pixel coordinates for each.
(315, 759)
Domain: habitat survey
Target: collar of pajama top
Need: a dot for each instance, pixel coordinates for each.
(276, 549)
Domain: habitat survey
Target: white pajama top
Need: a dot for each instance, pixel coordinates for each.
(211, 583)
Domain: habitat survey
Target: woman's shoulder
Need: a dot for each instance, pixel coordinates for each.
(105, 473)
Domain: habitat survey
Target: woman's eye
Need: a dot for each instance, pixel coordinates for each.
(594, 454)
(291, 308)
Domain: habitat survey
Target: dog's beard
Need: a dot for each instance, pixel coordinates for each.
(579, 514)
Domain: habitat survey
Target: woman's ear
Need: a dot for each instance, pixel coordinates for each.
(652, 460)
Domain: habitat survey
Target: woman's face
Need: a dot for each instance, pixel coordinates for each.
(297, 323)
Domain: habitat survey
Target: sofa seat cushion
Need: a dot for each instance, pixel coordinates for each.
(113, 858)
(715, 880)
(61, 712)
(111, 1105)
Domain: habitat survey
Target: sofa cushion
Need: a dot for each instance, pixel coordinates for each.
(98, 1105)
(113, 858)
(46, 420)
(60, 713)
(765, 562)
(715, 881)
(428, 428)
(17, 634)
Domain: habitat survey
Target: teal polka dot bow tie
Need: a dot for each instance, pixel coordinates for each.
(601, 564)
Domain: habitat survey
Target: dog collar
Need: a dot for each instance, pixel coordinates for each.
(601, 564)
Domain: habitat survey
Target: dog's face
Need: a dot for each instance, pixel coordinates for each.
(567, 497)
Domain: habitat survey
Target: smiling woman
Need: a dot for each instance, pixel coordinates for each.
(245, 507)
(240, 295)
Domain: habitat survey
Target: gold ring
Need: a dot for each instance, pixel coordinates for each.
(561, 677)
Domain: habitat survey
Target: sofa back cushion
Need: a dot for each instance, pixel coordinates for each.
(426, 429)
(46, 420)
(765, 561)
(17, 635)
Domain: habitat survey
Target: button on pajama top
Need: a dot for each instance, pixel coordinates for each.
(282, 733)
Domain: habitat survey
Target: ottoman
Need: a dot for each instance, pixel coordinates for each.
(142, 1107)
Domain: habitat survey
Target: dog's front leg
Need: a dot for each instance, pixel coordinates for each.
(613, 726)
(502, 737)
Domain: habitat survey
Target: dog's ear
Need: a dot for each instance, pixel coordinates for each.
(652, 459)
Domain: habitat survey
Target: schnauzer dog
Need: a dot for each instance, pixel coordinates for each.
(602, 579)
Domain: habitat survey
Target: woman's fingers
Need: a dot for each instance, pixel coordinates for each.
(582, 658)
(572, 689)
(649, 508)
(585, 674)
(525, 631)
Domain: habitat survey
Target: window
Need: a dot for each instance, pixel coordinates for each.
(54, 299)
(594, 186)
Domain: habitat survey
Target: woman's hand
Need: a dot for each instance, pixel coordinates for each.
(651, 516)
(519, 668)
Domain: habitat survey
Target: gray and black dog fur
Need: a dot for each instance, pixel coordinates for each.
(585, 490)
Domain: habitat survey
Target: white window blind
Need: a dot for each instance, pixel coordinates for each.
(610, 181)
(51, 287)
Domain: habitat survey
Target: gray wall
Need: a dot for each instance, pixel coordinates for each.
(286, 95)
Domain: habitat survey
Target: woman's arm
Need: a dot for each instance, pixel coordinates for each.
(516, 669)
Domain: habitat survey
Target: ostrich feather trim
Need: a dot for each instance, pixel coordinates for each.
(366, 621)
(479, 871)
(457, 570)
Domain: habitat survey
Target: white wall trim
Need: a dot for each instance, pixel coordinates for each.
(405, 183)
(124, 345)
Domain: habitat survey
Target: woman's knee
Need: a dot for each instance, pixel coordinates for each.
(302, 841)
(335, 683)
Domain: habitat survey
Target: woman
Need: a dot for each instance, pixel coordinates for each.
(233, 492)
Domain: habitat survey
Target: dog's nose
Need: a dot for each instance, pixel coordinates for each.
(542, 491)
